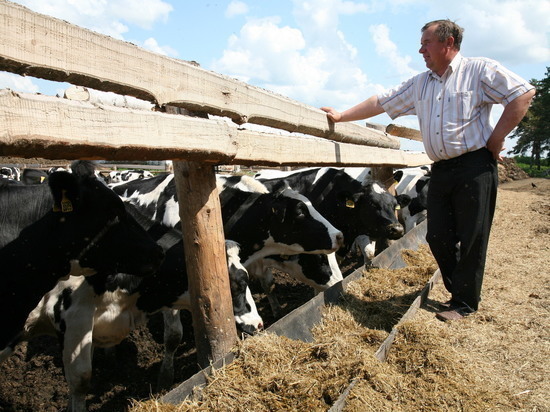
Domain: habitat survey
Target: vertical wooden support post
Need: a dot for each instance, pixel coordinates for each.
(205, 256)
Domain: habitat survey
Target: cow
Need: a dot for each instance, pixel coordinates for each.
(100, 311)
(10, 174)
(413, 182)
(87, 231)
(320, 271)
(117, 176)
(278, 222)
(355, 208)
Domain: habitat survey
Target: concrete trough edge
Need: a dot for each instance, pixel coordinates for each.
(298, 323)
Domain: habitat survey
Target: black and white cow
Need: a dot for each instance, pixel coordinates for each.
(280, 222)
(355, 208)
(320, 271)
(87, 231)
(100, 311)
(10, 174)
(413, 182)
(122, 176)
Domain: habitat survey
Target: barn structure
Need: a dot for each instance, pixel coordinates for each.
(58, 127)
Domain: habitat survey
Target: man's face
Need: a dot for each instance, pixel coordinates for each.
(435, 53)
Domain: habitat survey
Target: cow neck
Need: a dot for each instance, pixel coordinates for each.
(321, 188)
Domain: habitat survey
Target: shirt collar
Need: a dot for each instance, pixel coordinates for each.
(453, 66)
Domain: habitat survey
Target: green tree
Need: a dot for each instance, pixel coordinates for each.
(533, 132)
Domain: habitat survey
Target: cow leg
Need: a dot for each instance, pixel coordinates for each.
(173, 332)
(268, 285)
(265, 276)
(77, 356)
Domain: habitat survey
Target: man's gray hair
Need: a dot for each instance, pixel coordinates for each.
(445, 29)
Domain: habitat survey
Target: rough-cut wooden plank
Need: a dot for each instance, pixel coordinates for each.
(60, 128)
(53, 49)
(402, 131)
(203, 237)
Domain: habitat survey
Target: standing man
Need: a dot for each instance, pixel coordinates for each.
(453, 103)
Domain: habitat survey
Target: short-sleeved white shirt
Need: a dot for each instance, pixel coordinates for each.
(454, 109)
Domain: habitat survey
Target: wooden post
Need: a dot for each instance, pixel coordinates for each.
(205, 256)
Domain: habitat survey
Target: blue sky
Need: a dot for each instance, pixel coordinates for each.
(320, 52)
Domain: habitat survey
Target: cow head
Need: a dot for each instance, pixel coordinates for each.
(296, 223)
(371, 211)
(91, 223)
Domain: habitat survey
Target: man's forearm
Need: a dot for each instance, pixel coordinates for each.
(368, 108)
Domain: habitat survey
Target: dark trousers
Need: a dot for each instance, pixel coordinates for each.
(461, 205)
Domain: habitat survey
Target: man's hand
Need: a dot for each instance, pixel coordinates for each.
(495, 146)
(332, 114)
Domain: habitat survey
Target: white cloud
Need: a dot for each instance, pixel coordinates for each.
(17, 83)
(109, 17)
(152, 44)
(388, 49)
(510, 31)
(311, 62)
(236, 8)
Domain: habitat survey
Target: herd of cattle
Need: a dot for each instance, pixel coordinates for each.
(107, 250)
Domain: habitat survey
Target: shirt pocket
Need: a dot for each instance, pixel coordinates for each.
(461, 106)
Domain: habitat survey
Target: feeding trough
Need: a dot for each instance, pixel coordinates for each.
(299, 323)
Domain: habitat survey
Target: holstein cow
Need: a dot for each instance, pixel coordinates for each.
(87, 231)
(117, 176)
(100, 311)
(413, 182)
(320, 271)
(279, 222)
(353, 207)
(10, 173)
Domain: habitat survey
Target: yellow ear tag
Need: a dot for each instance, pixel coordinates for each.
(397, 207)
(42, 178)
(350, 203)
(66, 205)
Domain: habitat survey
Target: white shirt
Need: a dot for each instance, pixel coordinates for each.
(454, 110)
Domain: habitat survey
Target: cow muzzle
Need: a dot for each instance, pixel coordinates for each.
(395, 231)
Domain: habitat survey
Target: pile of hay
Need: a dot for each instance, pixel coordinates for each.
(276, 373)
(509, 170)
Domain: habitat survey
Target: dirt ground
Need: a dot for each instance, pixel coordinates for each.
(511, 329)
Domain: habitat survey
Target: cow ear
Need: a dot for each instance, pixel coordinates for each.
(403, 200)
(65, 191)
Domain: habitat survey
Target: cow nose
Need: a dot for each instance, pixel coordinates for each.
(395, 231)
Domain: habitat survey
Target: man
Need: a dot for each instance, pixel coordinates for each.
(453, 101)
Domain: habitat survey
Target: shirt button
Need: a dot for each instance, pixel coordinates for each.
(437, 115)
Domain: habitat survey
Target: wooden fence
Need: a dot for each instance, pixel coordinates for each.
(58, 128)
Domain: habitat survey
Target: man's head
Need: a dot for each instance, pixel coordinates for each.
(440, 43)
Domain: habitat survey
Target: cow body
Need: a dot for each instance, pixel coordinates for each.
(117, 176)
(81, 235)
(284, 221)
